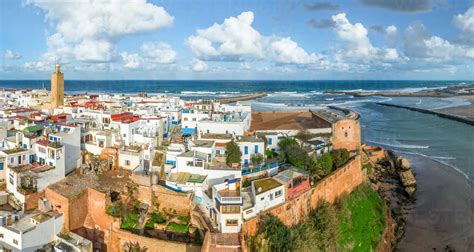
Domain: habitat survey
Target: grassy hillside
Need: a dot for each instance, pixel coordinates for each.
(355, 223)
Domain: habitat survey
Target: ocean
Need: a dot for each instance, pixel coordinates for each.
(443, 140)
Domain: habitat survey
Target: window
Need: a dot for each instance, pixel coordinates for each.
(1, 166)
(15, 241)
(345, 134)
(278, 194)
(256, 148)
(19, 159)
(246, 150)
(24, 157)
(271, 196)
(230, 209)
(270, 140)
(127, 162)
(262, 198)
(232, 222)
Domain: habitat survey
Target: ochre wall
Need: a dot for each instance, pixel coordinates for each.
(119, 237)
(32, 200)
(180, 202)
(292, 212)
(352, 140)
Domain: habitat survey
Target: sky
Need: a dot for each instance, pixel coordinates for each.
(270, 40)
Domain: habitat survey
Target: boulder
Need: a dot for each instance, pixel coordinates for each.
(404, 164)
(410, 191)
(407, 178)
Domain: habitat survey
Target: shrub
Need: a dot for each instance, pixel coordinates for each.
(278, 234)
(233, 153)
(155, 217)
(339, 157)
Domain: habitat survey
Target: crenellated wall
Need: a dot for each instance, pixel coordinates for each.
(342, 181)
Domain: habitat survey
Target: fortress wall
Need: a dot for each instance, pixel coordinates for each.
(342, 181)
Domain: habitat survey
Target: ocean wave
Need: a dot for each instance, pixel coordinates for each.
(403, 146)
(198, 92)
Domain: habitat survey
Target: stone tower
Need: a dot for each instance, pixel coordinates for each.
(57, 88)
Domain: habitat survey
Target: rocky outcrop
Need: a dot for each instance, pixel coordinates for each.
(406, 176)
(395, 182)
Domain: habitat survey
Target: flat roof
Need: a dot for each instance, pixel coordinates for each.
(283, 120)
(265, 184)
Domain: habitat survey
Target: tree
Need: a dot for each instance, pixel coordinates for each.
(233, 153)
(285, 145)
(297, 156)
(339, 157)
(257, 159)
(303, 136)
(320, 166)
(278, 234)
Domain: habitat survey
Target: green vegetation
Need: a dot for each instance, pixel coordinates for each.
(233, 153)
(180, 228)
(271, 154)
(186, 218)
(115, 209)
(355, 223)
(155, 217)
(361, 220)
(129, 221)
(367, 167)
(340, 157)
(257, 159)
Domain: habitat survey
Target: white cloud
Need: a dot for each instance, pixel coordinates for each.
(45, 63)
(355, 35)
(236, 40)
(419, 43)
(88, 30)
(465, 22)
(10, 55)
(391, 34)
(132, 61)
(152, 55)
(357, 45)
(199, 65)
(160, 53)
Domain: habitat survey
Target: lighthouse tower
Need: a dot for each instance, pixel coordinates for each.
(57, 88)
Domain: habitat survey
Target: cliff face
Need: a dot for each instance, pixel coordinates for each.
(395, 182)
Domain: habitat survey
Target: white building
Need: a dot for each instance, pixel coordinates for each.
(70, 137)
(250, 145)
(227, 209)
(265, 194)
(31, 232)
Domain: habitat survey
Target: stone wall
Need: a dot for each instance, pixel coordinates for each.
(346, 135)
(31, 201)
(292, 212)
(120, 237)
(77, 208)
(181, 202)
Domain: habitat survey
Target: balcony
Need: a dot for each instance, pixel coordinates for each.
(229, 197)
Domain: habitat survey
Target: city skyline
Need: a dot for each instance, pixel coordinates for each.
(363, 39)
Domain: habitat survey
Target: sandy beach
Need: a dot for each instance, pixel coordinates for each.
(464, 111)
(443, 213)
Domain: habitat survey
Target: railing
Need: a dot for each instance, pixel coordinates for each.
(229, 200)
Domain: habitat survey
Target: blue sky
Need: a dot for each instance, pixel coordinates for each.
(139, 39)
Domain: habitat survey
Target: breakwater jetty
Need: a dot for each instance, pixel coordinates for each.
(241, 98)
(431, 112)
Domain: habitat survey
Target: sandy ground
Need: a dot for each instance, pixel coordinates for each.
(443, 213)
(465, 111)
